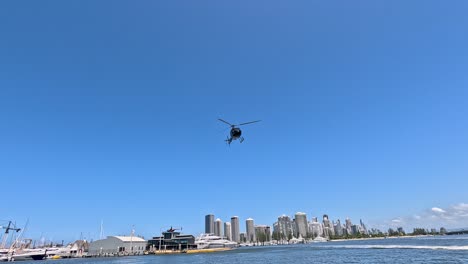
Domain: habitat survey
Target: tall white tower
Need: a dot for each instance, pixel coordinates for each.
(218, 227)
(235, 229)
(301, 224)
(250, 230)
(227, 230)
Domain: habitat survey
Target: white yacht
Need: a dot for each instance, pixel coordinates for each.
(208, 241)
(26, 254)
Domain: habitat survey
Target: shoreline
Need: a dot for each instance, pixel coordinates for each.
(376, 238)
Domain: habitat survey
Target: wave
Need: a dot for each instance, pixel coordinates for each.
(402, 247)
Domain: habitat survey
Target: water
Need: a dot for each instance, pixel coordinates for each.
(446, 249)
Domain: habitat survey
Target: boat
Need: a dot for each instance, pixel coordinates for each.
(210, 241)
(319, 239)
(24, 255)
(19, 249)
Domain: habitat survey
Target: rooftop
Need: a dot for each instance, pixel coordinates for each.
(130, 238)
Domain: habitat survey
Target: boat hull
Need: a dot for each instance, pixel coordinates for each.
(24, 257)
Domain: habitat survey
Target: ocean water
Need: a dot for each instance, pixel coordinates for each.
(443, 249)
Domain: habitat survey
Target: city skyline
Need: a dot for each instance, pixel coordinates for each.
(111, 112)
(345, 223)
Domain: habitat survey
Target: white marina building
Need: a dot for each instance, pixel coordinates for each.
(117, 245)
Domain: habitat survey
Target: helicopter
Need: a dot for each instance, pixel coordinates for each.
(236, 132)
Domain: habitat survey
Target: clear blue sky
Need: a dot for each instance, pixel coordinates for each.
(108, 110)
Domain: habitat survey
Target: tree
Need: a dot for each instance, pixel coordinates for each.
(261, 237)
(276, 236)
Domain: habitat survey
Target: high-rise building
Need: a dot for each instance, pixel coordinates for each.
(227, 230)
(242, 238)
(209, 224)
(294, 228)
(218, 228)
(315, 228)
(443, 231)
(250, 230)
(262, 233)
(355, 229)
(363, 227)
(338, 228)
(235, 233)
(328, 228)
(301, 224)
(283, 228)
(348, 227)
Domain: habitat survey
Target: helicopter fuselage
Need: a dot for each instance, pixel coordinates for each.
(235, 133)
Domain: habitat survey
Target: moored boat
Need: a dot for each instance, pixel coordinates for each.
(210, 241)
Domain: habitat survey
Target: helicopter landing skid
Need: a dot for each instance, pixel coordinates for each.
(241, 140)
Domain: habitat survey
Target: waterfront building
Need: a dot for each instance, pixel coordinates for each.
(348, 226)
(218, 228)
(172, 240)
(301, 224)
(294, 228)
(262, 233)
(235, 232)
(283, 228)
(227, 231)
(209, 224)
(355, 230)
(339, 231)
(315, 228)
(117, 245)
(242, 237)
(443, 231)
(363, 227)
(328, 228)
(250, 230)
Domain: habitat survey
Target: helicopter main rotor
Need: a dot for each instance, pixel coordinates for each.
(224, 121)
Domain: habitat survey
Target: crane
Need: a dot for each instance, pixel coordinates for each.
(10, 226)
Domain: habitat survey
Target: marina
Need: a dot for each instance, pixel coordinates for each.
(430, 250)
(169, 243)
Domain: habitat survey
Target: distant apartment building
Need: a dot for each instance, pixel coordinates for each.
(443, 231)
(242, 238)
(250, 230)
(209, 224)
(283, 228)
(227, 230)
(235, 233)
(348, 226)
(339, 231)
(315, 228)
(328, 228)
(262, 233)
(301, 224)
(218, 227)
(363, 227)
(355, 230)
